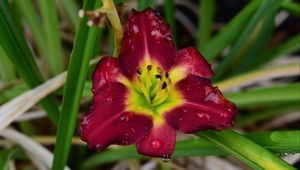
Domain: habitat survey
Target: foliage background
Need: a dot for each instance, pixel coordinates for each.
(252, 45)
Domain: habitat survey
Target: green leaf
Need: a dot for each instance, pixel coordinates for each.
(205, 22)
(268, 112)
(247, 37)
(52, 34)
(289, 46)
(292, 7)
(255, 46)
(245, 150)
(84, 45)
(7, 71)
(230, 32)
(15, 46)
(29, 14)
(71, 10)
(5, 156)
(266, 95)
(142, 4)
(170, 16)
(200, 147)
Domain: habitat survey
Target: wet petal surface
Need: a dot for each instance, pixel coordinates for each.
(190, 61)
(204, 107)
(159, 143)
(108, 123)
(147, 35)
(106, 71)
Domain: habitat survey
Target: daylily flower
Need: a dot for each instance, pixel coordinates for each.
(150, 91)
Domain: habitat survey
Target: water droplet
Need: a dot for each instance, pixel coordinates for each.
(156, 143)
(98, 146)
(223, 115)
(109, 99)
(203, 115)
(132, 130)
(166, 158)
(126, 134)
(184, 110)
(180, 118)
(125, 142)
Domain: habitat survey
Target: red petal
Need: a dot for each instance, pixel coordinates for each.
(190, 61)
(106, 71)
(205, 107)
(159, 143)
(146, 34)
(107, 122)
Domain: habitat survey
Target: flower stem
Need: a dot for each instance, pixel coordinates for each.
(113, 16)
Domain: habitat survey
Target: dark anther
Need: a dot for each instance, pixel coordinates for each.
(158, 76)
(164, 85)
(139, 71)
(167, 75)
(149, 67)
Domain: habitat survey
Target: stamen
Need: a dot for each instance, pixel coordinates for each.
(164, 85)
(167, 75)
(139, 71)
(158, 76)
(149, 67)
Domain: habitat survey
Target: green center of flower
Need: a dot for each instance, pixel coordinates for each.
(153, 84)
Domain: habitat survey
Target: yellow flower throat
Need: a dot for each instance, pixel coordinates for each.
(153, 83)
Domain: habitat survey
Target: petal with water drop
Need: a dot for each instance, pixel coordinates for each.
(204, 107)
(190, 61)
(147, 36)
(160, 142)
(108, 123)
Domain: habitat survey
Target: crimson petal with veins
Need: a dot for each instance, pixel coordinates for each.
(204, 107)
(146, 34)
(194, 62)
(159, 143)
(106, 71)
(107, 122)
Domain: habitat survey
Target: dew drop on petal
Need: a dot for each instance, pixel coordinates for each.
(203, 115)
(166, 158)
(109, 99)
(125, 142)
(132, 130)
(156, 143)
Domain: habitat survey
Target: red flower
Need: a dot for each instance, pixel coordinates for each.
(151, 90)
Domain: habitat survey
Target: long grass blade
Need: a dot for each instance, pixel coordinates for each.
(230, 32)
(71, 10)
(287, 47)
(40, 152)
(293, 7)
(83, 50)
(169, 15)
(28, 13)
(14, 108)
(15, 46)
(266, 95)
(142, 4)
(205, 22)
(249, 33)
(200, 147)
(52, 34)
(245, 150)
(7, 71)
